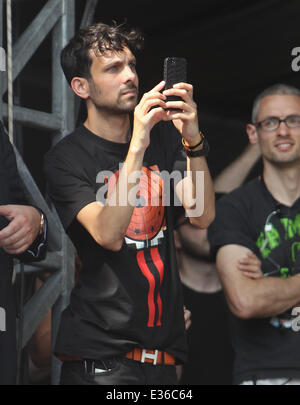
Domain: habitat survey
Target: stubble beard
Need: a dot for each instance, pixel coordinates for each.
(119, 107)
(280, 159)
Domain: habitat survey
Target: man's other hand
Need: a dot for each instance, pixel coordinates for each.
(22, 230)
(250, 266)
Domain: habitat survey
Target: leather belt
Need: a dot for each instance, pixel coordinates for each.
(142, 355)
(151, 356)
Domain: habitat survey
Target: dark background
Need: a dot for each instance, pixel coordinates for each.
(234, 49)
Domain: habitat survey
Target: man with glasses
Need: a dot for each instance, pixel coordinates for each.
(208, 337)
(262, 218)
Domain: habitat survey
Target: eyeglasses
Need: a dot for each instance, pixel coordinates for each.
(272, 123)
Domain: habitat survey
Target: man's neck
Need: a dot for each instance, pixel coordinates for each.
(197, 274)
(112, 127)
(283, 182)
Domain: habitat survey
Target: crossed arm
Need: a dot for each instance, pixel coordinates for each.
(249, 297)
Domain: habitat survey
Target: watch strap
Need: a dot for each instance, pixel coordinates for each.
(201, 152)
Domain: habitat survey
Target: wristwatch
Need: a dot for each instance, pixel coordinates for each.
(42, 224)
(201, 152)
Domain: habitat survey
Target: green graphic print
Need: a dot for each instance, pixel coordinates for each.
(271, 238)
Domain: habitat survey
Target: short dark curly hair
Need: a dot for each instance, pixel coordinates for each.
(75, 57)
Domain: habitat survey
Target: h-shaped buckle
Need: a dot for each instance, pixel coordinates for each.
(152, 356)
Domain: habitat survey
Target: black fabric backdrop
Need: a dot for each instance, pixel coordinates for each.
(234, 49)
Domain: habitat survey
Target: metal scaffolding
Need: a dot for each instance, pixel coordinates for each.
(58, 18)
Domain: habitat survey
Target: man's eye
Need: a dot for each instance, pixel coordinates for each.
(294, 119)
(270, 122)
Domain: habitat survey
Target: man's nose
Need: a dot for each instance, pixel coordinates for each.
(283, 129)
(129, 74)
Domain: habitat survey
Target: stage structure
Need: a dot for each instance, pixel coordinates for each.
(58, 18)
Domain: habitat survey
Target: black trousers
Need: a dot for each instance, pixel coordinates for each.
(117, 371)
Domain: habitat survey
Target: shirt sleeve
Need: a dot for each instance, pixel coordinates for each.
(10, 168)
(230, 226)
(69, 187)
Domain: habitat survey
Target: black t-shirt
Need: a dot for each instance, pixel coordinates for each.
(249, 216)
(130, 298)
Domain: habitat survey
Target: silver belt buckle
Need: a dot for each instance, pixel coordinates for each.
(151, 356)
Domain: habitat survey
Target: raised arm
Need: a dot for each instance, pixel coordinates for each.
(185, 120)
(254, 298)
(236, 172)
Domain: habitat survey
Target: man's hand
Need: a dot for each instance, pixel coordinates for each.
(149, 111)
(153, 108)
(250, 266)
(186, 119)
(22, 230)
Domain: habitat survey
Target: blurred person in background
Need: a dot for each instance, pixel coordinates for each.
(261, 221)
(210, 359)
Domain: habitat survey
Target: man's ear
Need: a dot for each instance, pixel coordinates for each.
(80, 87)
(252, 133)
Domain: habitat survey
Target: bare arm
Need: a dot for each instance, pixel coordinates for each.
(234, 174)
(193, 186)
(108, 224)
(196, 193)
(254, 298)
(196, 165)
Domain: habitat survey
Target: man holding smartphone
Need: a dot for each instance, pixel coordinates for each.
(125, 322)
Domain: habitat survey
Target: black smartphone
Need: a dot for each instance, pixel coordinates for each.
(175, 71)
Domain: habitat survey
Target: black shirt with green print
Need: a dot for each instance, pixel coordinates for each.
(251, 217)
